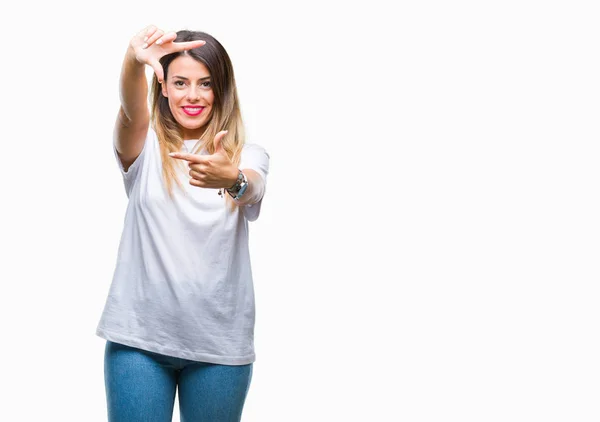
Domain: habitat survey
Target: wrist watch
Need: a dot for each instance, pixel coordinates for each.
(239, 187)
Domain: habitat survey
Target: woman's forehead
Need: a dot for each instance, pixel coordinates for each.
(187, 67)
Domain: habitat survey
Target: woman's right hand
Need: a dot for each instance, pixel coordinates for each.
(151, 43)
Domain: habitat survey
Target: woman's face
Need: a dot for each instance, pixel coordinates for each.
(189, 91)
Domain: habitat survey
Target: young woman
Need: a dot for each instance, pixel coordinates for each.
(180, 309)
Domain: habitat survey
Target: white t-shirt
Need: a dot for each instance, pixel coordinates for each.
(182, 284)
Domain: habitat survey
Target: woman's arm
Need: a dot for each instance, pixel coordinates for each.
(145, 48)
(217, 171)
(132, 122)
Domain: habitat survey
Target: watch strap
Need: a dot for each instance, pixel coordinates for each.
(239, 187)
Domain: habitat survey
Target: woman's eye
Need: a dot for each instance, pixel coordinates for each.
(179, 83)
(206, 84)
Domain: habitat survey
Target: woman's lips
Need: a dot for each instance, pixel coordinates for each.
(192, 111)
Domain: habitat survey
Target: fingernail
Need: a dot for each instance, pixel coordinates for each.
(172, 154)
(145, 45)
(159, 42)
(145, 39)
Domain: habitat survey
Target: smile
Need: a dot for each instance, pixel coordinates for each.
(192, 111)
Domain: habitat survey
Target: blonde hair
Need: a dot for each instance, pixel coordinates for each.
(225, 115)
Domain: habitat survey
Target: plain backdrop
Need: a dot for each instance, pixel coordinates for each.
(428, 244)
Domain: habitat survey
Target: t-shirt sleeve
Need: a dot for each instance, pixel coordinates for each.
(132, 173)
(256, 158)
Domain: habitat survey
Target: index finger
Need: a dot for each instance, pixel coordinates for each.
(188, 45)
(192, 158)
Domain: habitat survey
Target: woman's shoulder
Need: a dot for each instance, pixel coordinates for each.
(254, 151)
(253, 147)
(256, 157)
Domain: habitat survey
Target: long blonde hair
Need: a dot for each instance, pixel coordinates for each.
(226, 114)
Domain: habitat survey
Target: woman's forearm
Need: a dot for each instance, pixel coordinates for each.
(254, 191)
(133, 89)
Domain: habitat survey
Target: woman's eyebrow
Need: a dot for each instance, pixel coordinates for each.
(186, 79)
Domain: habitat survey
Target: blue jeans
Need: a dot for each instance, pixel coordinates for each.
(140, 387)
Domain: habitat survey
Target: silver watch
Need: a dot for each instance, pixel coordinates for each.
(239, 187)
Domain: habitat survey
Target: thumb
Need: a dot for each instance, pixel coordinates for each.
(218, 145)
(158, 70)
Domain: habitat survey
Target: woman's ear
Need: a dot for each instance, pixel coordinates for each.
(163, 88)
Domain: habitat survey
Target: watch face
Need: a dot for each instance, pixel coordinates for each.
(240, 186)
(242, 190)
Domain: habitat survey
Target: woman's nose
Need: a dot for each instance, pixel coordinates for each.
(193, 94)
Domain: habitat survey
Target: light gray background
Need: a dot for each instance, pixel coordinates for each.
(428, 246)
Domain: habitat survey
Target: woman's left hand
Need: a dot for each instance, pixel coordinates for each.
(210, 171)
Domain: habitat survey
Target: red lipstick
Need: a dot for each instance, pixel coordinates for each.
(192, 110)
